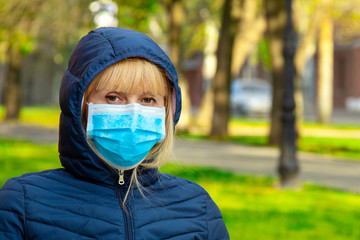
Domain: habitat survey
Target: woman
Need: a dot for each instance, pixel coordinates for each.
(119, 102)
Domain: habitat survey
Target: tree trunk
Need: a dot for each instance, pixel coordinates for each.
(276, 19)
(304, 51)
(13, 87)
(176, 21)
(202, 123)
(222, 78)
(325, 71)
(250, 30)
(176, 9)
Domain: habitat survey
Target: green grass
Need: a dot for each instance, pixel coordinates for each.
(342, 148)
(44, 116)
(21, 157)
(339, 147)
(264, 122)
(252, 207)
(344, 126)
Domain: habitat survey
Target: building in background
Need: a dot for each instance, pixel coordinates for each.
(347, 76)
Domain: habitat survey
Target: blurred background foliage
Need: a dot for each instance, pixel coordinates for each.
(53, 27)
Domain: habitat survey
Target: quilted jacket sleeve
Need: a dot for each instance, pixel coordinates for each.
(216, 225)
(12, 210)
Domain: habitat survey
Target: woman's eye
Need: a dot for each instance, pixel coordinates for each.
(112, 98)
(148, 100)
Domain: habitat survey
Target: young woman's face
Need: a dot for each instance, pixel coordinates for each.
(114, 97)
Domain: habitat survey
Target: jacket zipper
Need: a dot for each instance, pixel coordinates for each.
(124, 208)
(121, 177)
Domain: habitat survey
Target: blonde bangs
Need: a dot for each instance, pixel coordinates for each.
(133, 76)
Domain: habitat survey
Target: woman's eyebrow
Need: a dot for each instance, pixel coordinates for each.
(149, 93)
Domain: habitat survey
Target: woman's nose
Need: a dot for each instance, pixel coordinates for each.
(132, 98)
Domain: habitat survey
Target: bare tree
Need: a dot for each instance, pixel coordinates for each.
(229, 26)
(19, 28)
(276, 20)
(177, 19)
(26, 25)
(307, 27)
(325, 70)
(251, 26)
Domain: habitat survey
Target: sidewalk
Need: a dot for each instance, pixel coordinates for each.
(326, 171)
(28, 133)
(314, 168)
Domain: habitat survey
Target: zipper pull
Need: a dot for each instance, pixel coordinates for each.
(121, 177)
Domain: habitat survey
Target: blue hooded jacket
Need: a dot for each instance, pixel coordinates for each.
(83, 200)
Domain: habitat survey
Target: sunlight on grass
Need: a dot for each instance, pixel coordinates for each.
(252, 207)
(335, 140)
(265, 122)
(339, 147)
(43, 116)
(18, 158)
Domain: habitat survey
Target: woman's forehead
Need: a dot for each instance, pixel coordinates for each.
(140, 92)
(136, 87)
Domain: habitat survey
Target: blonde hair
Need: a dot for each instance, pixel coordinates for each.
(137, 75)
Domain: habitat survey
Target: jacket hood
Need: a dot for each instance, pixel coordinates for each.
(95, 52)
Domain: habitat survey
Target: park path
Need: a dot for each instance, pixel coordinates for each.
(319, 169)
(314, 168)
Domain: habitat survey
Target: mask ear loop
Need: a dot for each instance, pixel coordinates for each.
(82, 103)
(84, 112)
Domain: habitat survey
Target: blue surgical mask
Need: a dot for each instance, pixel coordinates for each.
(122, 135)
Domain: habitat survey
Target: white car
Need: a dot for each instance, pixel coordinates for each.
(250, 97)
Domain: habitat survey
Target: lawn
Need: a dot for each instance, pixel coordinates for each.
(44, 116)
(252, 207)
(338, 140)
